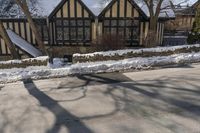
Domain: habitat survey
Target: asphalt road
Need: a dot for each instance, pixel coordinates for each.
(156, 101)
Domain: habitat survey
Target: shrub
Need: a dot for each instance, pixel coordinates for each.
(109, 42)
(194, 36)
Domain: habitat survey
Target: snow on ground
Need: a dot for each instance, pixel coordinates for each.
(41, 58)
(12, 75)
(122, 52)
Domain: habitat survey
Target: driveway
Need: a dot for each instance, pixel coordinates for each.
(156, 101)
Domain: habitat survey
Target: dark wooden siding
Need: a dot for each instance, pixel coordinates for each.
(122, 19)
(72, 25)
(125, 12)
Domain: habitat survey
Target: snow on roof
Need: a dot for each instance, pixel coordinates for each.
(38, 8)
(43, 8)
(22, 44)
(96, 6)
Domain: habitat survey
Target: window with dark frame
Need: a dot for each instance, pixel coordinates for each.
(73, 30)
(128, 28)
(43, 29)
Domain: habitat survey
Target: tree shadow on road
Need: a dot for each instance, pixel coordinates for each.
(163, 90)
(147, 89)
(63, 117)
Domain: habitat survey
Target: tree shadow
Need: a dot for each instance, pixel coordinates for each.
(184, 65)
(63, 117)
(150, 89)
(139, 87)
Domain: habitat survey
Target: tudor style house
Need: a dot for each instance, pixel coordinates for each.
(70, 26)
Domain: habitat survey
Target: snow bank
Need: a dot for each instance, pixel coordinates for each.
(12, 75)
(39, 61)
(122, 52)
(130, 53)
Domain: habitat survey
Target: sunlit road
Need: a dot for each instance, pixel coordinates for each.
(157, 101)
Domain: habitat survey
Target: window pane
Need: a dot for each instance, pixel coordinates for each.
(66, 22)
(80, 22)
(128, 34)
(113, 31)
(72, 23)
(87, 22)
(80, 34)
(135, 23)
(59, 33)
(114, 22)
(87, 33)
(121, 31)
(66, 33)
(106, 22)
(135, 33)
(73, 33)
(58, 22)
(128, 22)
(121, 23)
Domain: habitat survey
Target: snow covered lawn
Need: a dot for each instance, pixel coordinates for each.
(12, 75)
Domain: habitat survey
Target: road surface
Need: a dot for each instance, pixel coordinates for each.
(156, 101)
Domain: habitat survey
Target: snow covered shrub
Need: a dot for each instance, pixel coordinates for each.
(110, 42)
(194, 36)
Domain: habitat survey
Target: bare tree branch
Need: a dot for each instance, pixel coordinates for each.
(4, 35)
(34, 28)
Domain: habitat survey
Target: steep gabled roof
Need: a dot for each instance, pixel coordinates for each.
(97, 6)
(196, 4)
(43, 8)
(189, 11)
(38, 8)
(63, 2)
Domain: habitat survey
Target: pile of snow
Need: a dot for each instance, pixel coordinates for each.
(12, 75)
(136, 51)
(39, 59)
(58, 63)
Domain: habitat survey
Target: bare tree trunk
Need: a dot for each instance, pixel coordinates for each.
(8, 42)
(24, 7)
(152, 39)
